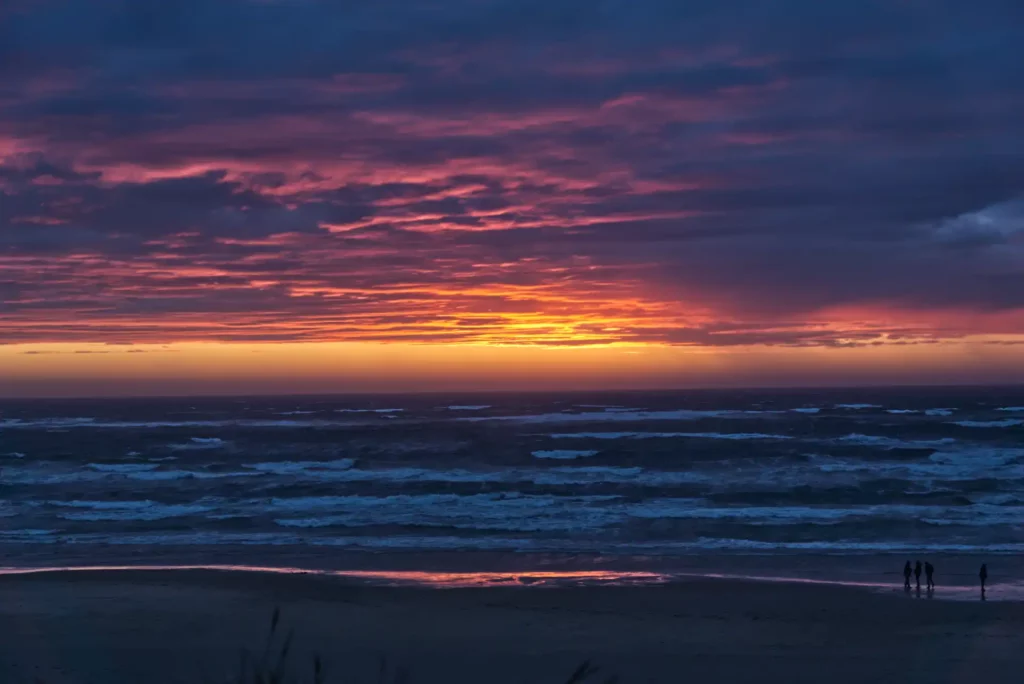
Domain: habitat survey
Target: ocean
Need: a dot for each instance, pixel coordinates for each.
(612, 475)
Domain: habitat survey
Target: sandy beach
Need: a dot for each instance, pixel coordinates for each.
(187, 626)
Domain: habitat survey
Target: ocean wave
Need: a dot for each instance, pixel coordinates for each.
(605, 416)
(858, 407)
(998, 499)
(420, 542)
(122, 467)
(519, 513)
(555, 476)
(945, 467)
(893, 443)
(979, 458)
(29, 535)
(343, 471)
(1009, 422)
(127, 511)
(479, 407)
(157, 475)
(300, 467)
(101, 505)
(931, 460)
(196, 443)
(900, 412)
(529, 513)
(667, 435)
(92, 423)
(564, 454)
(879, 514)
(136, 471)
(942, 412)
(809, 411)
(48, 423)
(843, 546)
(383, 410)
(1011, 408)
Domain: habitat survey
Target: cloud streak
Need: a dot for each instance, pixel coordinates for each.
(809, 174)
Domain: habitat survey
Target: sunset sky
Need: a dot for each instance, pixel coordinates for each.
(292, 195)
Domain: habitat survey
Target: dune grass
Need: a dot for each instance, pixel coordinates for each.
(273, 666)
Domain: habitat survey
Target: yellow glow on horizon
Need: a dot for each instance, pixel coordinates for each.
(227, 368)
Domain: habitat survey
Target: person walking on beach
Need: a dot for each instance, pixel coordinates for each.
(906, 576)
(983, 576)
(929, 571)
(917, 574)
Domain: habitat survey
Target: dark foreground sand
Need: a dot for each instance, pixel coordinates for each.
(160, 627)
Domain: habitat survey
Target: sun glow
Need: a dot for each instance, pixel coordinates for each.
(243, 368)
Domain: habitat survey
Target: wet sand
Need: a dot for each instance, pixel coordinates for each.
(189, 626)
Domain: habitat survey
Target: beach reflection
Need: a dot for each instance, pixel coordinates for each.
(430, 579)
(1010, 591)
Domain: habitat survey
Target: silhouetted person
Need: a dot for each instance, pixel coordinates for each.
(907, 571)
(929, 571)
(917, 574)
(983, 576)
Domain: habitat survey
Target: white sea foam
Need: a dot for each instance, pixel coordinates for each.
(939, 412)
(902, 411)
(383, 410)
(1011, 408)
(480, 407)
(857, 407)
(988, 423)
(809, 411)
(15, 454)
(564, 454)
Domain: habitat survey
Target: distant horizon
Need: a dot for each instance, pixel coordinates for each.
(796, 389)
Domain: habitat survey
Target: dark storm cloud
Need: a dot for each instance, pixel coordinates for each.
(716, 173)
